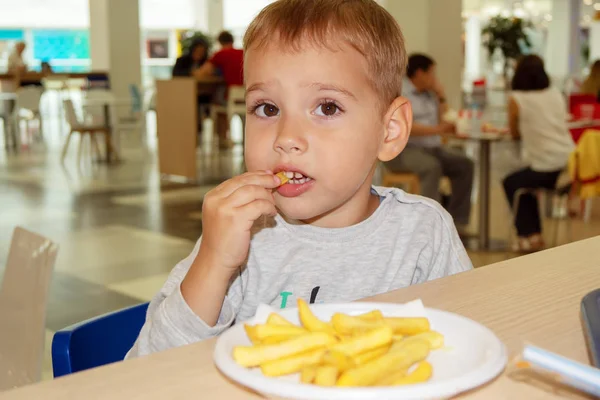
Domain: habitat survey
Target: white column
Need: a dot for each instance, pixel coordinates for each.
(563, 45)
(434, 27)
(215, 18)
(594, 41)
(473, 48)
(115, 42)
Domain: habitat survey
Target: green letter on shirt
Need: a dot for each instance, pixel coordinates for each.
(284, 296)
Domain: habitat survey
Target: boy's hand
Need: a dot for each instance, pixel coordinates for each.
(228, 213)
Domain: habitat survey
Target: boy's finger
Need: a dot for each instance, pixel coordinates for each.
(268, 181)
(253, 211)
(247, 194)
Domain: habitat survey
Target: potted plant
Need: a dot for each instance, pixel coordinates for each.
(508, 35)
(188, 37)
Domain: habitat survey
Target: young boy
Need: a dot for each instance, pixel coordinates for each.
(323, 79)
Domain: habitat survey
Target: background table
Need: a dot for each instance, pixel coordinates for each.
(484, 141)
(534, 299)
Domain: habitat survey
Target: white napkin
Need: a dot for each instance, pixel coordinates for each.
(413, 308)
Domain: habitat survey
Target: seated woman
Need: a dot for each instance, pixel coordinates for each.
(537, 115)
(193, 59)
(591, 85)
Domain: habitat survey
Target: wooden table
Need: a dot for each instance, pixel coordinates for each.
(534, 299)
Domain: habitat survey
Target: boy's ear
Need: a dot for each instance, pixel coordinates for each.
(397, 126)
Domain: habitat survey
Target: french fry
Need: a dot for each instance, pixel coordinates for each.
(276, 319)
(262, 332)
(391, 378)
(251, 332)
(407, 326)
(293, 364)
(339, 360)
(435, 340)
(276, 339)
(310, 321)
(367, 356)
(282, 177)
(373, 371)
(308, 374)
(397, 337)
(326, 375)
(422, 373)
(253, 356)
(348, 325)
(374, 315)
(359, 344)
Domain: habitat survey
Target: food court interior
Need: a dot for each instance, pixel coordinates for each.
(124, 212)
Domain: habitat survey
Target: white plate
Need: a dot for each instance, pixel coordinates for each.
(472, 356)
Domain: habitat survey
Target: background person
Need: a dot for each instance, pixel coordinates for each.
(424, 154)
(537, 115)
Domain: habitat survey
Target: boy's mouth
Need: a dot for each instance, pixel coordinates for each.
(296, 178)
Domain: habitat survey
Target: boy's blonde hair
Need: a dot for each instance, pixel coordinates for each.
(362, 24)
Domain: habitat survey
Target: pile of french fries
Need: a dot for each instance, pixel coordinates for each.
(348, 351)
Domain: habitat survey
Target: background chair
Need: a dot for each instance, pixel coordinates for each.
(23, 303)
(76, 126)
(407, 180)
(236, 105)
(97, 341)
(27, 108)
(555, 206)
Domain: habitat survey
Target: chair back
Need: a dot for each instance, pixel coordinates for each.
(136, 99)
(236, 101)
(94, 113)
(98, 341)
(28, 98)
(70, 113)
(23, 302)
(55, 82)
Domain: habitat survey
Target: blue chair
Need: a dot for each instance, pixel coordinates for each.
(97, 341)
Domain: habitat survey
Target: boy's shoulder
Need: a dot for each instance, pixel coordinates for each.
(402, 204)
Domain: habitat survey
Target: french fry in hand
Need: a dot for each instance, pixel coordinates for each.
(308, 374)
(253, 356)
(292, 364)
(326, 375)
(435, 340)
(339, 360)
(407, 326)
(368, 341)
(282, 177)
(422, 373)
(375, 370)
(310, 321)
(367, 356)
(276, 319)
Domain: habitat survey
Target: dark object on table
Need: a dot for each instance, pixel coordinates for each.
(590, 315)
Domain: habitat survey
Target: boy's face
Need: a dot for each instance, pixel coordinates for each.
(313, 112)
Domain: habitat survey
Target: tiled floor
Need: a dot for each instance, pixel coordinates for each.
(121, 230)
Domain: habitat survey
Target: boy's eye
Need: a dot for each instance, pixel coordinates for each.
(267, 110)
(327, 109)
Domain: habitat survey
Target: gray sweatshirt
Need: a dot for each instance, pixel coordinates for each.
(408, 240)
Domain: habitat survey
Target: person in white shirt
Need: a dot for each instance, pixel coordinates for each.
(537, 115)
(16, 65)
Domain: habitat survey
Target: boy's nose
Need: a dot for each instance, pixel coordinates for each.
(290, 139)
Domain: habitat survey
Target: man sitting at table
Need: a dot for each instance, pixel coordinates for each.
(424, 154)
(229, 63)
(323, 87)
